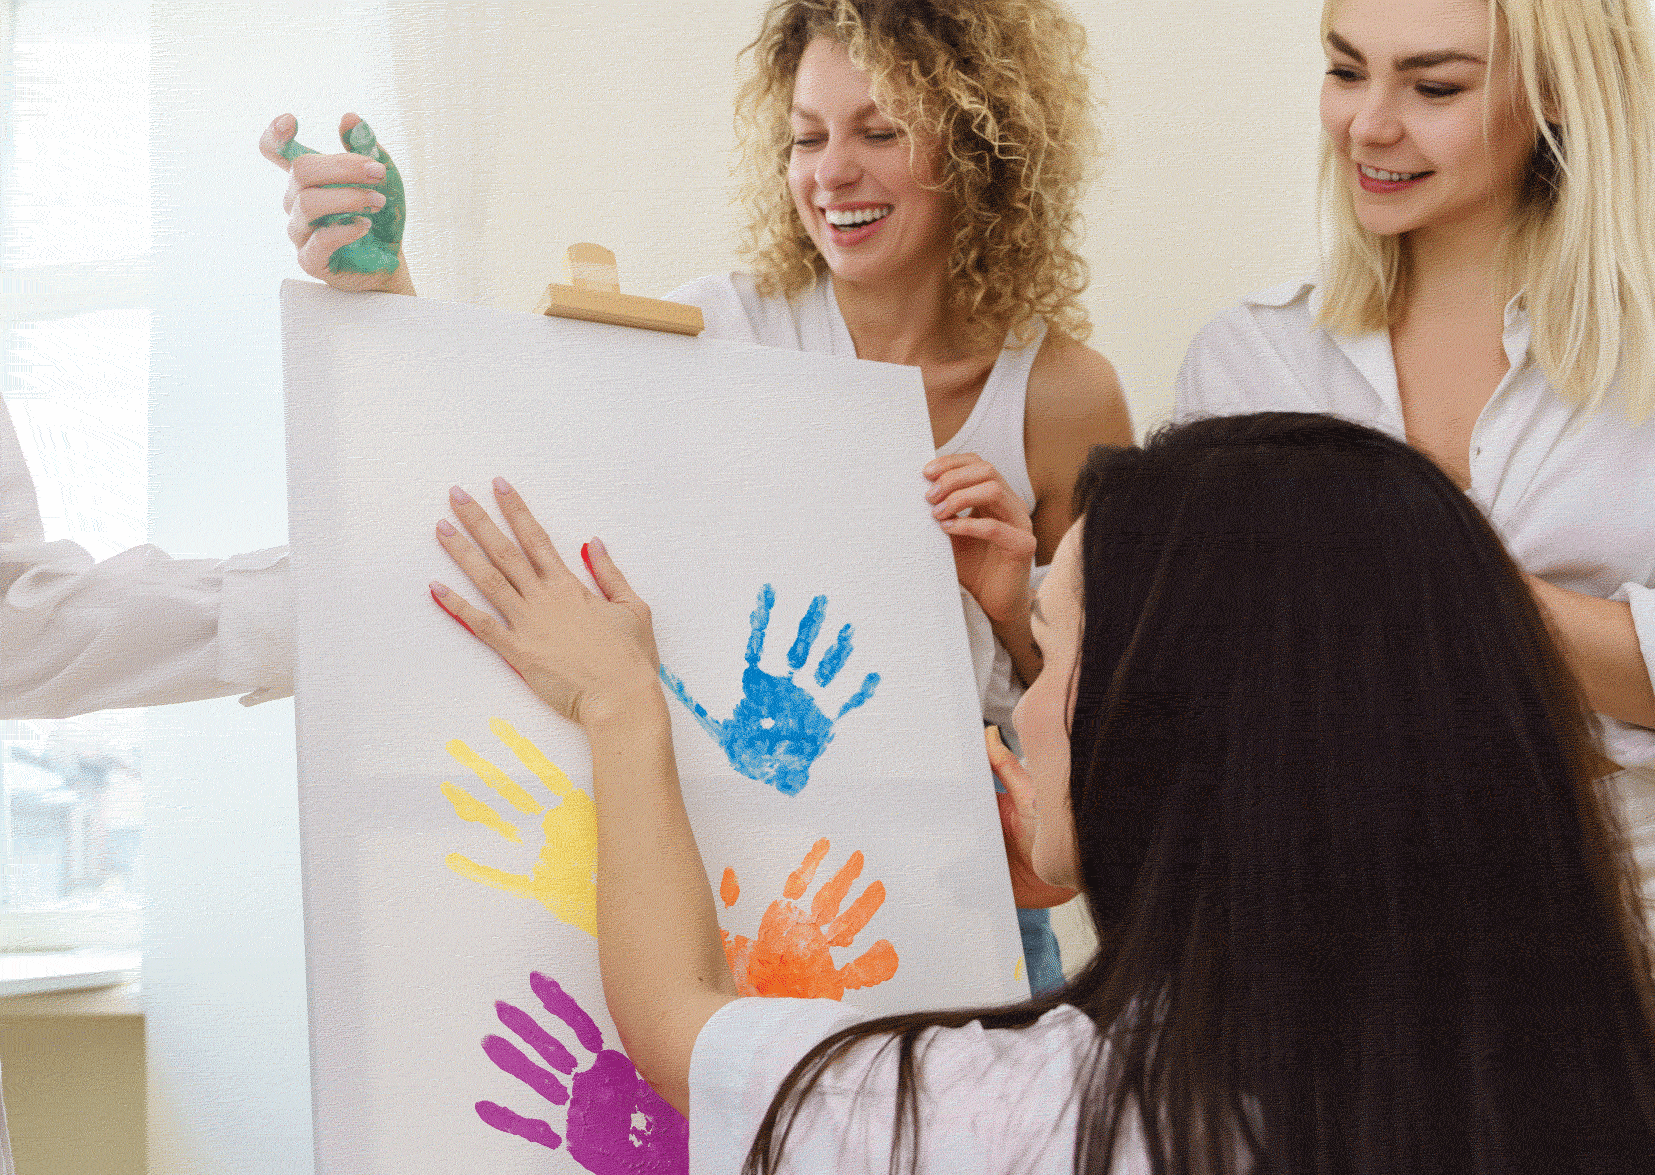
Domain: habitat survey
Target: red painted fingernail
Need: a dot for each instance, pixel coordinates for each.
(586, 557)
(447, 528)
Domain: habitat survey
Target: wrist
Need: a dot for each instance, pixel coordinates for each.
(1014, 616)
(632, 711)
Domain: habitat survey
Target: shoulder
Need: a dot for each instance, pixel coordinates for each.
(1074, 402)
(985, 1094)
(1258, 343)
(729, 303)
(972, 1055)
(1070, 386)
(1267, 312)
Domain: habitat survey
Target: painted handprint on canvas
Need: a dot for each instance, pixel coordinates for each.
(778, 730)
(615, 1124)
(790, 956)
(562, 877)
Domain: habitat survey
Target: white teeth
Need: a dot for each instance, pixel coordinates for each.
(858, 216)
(1389, 177)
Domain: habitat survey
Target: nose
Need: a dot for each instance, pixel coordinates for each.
(1375, 120)
(837, 166)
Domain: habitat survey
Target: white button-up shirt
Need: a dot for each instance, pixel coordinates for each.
(1571, 492)
(139, 629)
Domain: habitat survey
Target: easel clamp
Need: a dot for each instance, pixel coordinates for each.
(593, 294)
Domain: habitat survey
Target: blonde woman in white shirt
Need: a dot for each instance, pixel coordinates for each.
(1489, 296)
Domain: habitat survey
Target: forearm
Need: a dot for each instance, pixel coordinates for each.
(663, 963)
(1600, 643)
(139, 629)
(1017, 636)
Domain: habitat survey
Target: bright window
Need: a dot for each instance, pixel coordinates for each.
(74, 296)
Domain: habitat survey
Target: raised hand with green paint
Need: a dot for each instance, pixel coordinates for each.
(346, 211)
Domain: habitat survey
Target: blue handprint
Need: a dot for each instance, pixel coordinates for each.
(777, 730)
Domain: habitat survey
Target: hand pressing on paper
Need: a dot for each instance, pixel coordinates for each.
(346, 210)
(615, 1123)
(790, 956)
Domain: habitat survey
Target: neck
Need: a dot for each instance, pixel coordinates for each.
(909, 322)
(1458, 266)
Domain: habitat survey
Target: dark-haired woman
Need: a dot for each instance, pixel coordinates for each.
(1303, 741)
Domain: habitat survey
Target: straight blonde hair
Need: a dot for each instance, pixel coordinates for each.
(1582, 248)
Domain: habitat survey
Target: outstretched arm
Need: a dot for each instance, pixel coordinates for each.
(139, 629)
(593, 660)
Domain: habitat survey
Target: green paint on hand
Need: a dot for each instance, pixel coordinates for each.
(379, 251)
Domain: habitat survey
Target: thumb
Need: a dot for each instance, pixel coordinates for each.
(605, 574)
(1011, 773)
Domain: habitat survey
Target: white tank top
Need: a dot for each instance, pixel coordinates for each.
(810, 321)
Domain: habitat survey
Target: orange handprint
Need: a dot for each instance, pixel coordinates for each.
(790, 957)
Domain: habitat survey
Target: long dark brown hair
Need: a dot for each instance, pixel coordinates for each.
(1361, 907)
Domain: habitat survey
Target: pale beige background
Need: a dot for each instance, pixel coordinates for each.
(620, 133)
(524, 127)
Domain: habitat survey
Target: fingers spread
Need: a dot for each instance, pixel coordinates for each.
(608, 577)
(504, 554)
(536, 544)
(473, 619)
(488, 578)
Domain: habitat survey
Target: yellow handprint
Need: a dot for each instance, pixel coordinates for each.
(562, 879)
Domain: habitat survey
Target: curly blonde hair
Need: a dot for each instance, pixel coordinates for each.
(1002, 87)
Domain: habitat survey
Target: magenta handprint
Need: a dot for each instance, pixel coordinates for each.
(616, 1124)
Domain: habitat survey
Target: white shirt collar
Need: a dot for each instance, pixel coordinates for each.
(1371, 353)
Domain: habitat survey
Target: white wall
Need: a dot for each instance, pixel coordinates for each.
(602, 120)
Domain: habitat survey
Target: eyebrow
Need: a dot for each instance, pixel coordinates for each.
(862, 111)
(1404, 64)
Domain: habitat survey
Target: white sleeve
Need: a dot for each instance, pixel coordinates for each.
(1206, 384)
(989, 1100)
(139, 629)
(722, 312)
(741, 1056)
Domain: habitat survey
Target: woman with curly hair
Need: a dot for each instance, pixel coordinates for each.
(913, 174)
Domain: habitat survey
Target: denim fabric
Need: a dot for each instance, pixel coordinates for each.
(1040, 954)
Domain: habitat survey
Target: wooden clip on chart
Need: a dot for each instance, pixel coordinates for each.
(594, 295)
